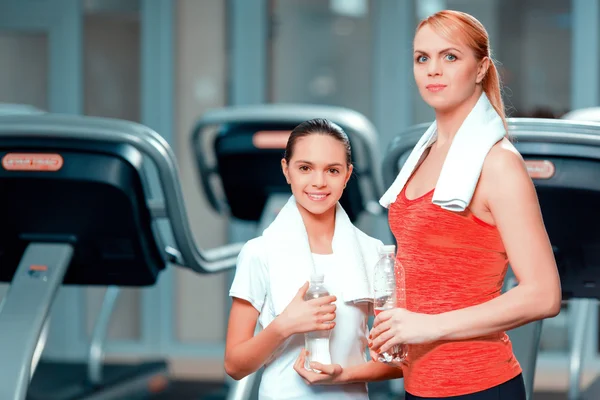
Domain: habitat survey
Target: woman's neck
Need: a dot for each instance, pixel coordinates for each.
(449, 121)
(319, 228)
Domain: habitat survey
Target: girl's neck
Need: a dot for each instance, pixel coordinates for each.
(320, 229)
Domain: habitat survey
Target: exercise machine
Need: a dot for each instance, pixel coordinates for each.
(79, 206)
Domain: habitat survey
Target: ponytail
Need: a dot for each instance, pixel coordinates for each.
(491, 87)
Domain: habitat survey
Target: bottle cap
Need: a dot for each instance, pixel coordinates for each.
(387, 249)
(317, 278)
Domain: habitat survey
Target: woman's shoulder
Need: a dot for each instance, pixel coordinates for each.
(504, 169)
(502, 156)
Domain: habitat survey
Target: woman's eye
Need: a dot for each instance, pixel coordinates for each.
(450, 57)
(304, 168)
(334, 171)
(421, 59)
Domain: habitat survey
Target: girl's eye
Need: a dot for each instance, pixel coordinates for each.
(334, 171)
(304, 168)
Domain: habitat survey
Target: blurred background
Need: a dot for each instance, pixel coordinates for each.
(164, 63)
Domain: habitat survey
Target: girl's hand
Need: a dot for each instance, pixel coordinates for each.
(329, 374)
(302, 316)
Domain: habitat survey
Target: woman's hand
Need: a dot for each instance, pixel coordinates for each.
(329, 374)
(400, 326)
(375, 357)
(307, 316)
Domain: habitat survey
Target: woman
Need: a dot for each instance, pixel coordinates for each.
(312, 233)
(455, 258)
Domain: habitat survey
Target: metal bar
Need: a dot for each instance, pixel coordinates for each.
(96, 352)
(581, 310)
(25, 309)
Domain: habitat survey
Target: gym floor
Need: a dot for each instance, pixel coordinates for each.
(196, 390)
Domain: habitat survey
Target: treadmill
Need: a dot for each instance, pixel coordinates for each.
(245, 180)
(581, 309)
(563, 159)
(76, 210)
(19, 109)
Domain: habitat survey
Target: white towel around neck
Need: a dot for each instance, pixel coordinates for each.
(479, 132)
(290, 258)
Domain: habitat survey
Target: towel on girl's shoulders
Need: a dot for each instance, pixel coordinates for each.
(289, 257)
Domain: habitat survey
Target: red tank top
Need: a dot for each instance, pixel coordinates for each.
(451, 260)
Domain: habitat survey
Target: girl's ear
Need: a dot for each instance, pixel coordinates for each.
(285, 169)
(348, 174)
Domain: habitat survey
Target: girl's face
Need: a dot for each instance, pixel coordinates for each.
(446, 72)
(317, 172)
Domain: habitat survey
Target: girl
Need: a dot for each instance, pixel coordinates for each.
(312, 233)
(455, 256)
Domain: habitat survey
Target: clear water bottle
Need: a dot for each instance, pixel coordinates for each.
(317, 342)
(386, 281)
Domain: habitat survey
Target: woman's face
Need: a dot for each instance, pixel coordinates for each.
(446, 72)
(317, 172)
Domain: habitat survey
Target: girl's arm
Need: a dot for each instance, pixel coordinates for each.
(513, 203)
(371, 371)
(334, 374)
(246, 353)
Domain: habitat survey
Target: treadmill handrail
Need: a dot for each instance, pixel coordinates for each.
(534, 129)
(18, 109)
(152, 146)
(528, 130)
(354, 123)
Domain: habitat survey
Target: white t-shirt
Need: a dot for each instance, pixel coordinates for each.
(348, 339)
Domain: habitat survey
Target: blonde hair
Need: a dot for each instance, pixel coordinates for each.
(455, 24)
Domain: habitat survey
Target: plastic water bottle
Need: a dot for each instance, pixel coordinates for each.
(385, 287)
(317, 342)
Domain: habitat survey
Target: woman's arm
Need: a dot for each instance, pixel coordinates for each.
(246, 353)
(512, 200)
(513, 203)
